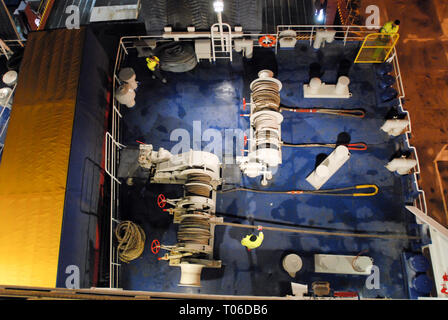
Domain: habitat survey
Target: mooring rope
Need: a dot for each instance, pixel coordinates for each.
(324, 233)
(131, 241)
(359, 146)
(355, 113)
(328, 192)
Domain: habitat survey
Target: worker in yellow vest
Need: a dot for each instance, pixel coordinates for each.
(386, 39)
(391, 27)
(252, 241)
(153, 64)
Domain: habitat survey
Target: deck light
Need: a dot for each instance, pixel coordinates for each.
(218, 6)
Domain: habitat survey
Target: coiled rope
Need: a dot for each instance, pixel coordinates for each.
(265, 95)
(131, 241)
(198, 184)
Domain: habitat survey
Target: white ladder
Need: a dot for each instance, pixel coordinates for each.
(221, 42)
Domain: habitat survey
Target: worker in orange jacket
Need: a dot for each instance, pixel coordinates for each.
(153, 64)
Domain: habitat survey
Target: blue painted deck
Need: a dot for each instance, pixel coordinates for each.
(212, 93)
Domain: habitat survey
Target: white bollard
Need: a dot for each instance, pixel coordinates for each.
(292, 264)
(315, 84)
(322, 171)
(190, 274)
(342, 85)
(10, 78)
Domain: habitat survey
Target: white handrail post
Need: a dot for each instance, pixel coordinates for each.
(311, 36)
(346, 35)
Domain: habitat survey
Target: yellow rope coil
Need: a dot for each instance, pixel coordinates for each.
(131, 241)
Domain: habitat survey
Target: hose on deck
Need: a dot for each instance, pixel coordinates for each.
(360, 146)
(330, 192)
(354, 113)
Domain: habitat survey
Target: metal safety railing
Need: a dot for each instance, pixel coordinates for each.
(377, 47)
(343, 33)
(112, 157)
(7, 47)
(420, 202)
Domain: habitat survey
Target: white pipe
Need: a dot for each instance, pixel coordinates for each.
(221, 31)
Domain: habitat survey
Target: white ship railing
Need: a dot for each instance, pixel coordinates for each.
(112, 158)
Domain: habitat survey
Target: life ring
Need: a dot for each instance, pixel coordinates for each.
(267, 41)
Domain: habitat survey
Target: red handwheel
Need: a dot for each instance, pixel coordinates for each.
(161, 200)
(245, 140)
(155, 246)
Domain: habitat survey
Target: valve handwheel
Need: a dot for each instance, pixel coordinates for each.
(155, 246)
(245, 140)
(161, 200)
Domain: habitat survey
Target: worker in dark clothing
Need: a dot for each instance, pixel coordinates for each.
(153, 64)
(252, 241)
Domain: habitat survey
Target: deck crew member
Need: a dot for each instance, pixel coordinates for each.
(153, 64)
(252, 241)
(391, 27)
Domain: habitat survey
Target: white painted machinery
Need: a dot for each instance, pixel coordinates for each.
(395, 127)
(328, 167)
(318, 89)
(287, 39)
(199, 172)
(264, 151)
(323, 36)
(402, 165)
(341, 264)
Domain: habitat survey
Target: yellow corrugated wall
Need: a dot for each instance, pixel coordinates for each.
(33, 171)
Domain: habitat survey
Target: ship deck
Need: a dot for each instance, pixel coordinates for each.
(212, 94)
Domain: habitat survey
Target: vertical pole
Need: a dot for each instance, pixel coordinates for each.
(311, 36)
(221, 30)
(346, 35)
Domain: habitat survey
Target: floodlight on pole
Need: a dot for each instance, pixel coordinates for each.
(218, 6)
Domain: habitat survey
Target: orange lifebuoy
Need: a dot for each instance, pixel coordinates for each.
(267, 41)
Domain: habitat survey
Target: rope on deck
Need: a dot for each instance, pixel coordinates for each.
(354, 113)
(131, 241)
(329, 192)
(324, 233)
